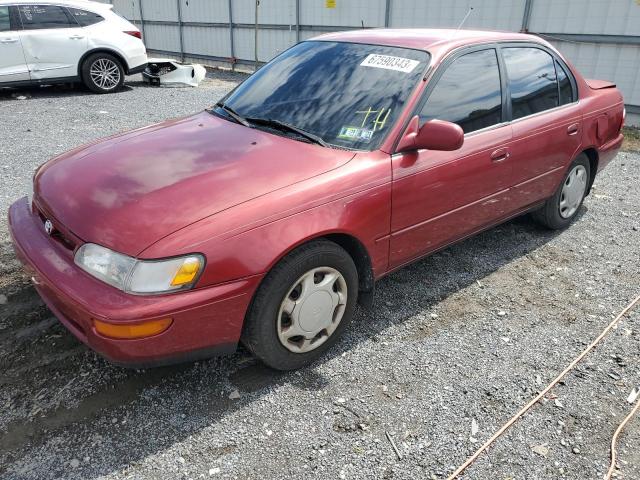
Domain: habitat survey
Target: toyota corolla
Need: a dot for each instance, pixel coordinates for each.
(265, 218)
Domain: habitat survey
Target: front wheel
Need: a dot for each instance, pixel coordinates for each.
(560, 210)
(102, 73)
(303, 305)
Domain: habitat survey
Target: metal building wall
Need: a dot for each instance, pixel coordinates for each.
(601, 37)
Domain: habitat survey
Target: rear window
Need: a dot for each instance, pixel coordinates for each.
(85, 18)
(36, 17)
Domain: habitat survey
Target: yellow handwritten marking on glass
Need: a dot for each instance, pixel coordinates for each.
(379, 124)
(366, 112)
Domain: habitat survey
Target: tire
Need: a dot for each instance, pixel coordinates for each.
(284, 304)
(106, 65)
(560, 210)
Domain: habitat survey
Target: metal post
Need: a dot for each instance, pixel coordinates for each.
(526, 16)
(387, 13)
(180, 29)
(255, 45)
(231, 45)
(142, 20)
(297, 21)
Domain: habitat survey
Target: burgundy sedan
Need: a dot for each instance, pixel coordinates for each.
(266, 218)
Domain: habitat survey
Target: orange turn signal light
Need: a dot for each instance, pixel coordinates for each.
(132, 330)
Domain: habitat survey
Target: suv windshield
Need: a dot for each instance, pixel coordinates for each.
(345, 94)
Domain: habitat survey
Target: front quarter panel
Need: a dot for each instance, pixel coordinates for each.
(250, 238)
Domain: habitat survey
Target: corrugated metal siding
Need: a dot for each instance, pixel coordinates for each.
(163, 10)
(488, 14)
(604, 17)
(127, 8)
(352, 13)
(207, 41)
(206, 11)
(270, 43)
(163, 37)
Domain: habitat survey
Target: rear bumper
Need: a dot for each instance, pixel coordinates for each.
(206, 321)
(136, 62)
(138, 69)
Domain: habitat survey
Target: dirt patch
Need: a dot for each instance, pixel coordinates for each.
(631, 139)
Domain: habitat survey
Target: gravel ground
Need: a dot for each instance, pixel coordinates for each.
(466, 336)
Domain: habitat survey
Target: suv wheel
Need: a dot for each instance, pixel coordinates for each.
(102, 73)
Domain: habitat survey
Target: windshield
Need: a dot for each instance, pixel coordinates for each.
(347, 94)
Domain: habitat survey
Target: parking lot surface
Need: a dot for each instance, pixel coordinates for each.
(464, 337)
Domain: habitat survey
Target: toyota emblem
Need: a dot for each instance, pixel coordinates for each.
(48, 227)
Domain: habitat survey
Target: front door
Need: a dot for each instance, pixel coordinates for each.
(13, 67)
(439, 197)
(53, 41)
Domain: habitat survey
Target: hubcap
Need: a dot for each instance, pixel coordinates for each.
(573, 191)
(105, 73)
(312, 309)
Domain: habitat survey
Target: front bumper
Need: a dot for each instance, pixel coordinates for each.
(206, 321)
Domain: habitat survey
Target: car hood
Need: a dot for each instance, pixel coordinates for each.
(131, 190)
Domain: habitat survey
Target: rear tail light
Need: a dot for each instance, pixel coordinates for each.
(134, 34)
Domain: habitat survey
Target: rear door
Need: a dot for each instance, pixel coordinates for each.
(13, 67)
(546, 121)
(440, 197)
(53, 41)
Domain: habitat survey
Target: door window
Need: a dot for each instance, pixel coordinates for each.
(35, 17)
(468, 93)
(85, 18)
(5, 20)
(564, 85)
(532, 80)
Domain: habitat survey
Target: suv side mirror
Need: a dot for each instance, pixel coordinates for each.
(433, 135)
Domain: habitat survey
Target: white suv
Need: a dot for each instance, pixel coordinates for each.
(50, 41)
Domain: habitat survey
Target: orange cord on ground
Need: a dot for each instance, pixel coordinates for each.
(614, 440)
(539, 397)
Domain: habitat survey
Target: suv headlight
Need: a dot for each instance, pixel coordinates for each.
(139, 276)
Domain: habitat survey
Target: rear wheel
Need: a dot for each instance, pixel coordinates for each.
(102, 73)
(560, 210)
(302, 306)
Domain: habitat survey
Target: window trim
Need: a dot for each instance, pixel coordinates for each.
(73, 23)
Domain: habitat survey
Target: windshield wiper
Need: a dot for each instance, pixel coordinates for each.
(285, 126)
(232, 113)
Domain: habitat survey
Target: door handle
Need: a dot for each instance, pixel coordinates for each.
(9, 40)
(573, 129)
(76, 37)
(500, 155)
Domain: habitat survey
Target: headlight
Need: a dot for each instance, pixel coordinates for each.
(139, 276)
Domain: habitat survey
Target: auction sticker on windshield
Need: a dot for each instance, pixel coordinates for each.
(388, 62)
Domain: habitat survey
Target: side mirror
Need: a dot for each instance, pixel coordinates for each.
(433, 135)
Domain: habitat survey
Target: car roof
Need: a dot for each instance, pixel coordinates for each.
(87, 4)
(431, 39)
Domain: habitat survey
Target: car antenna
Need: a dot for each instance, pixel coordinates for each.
(463, 20)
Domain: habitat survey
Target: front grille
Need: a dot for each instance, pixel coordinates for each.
(59, 233)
